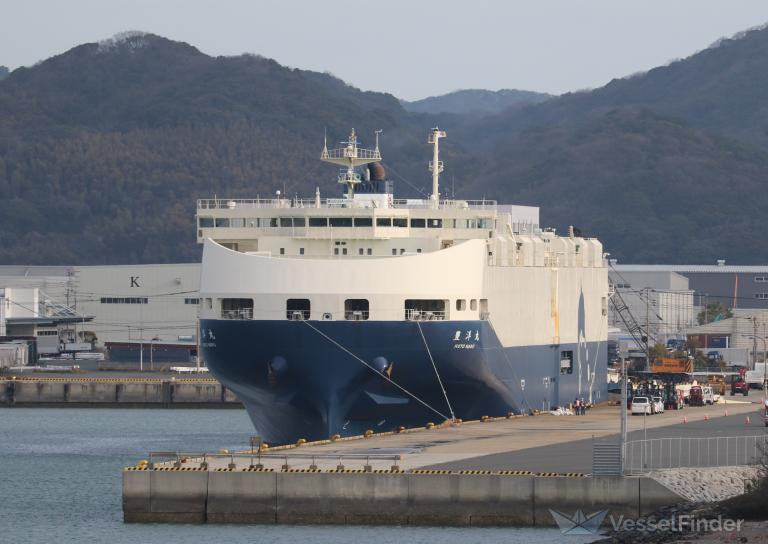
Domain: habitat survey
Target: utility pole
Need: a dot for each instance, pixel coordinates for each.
(623, 437)
(754, 342)
(647, 327)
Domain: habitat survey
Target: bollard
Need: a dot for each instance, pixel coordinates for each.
(726, 413)
(685, 420)
(747, 421)
(313, 466)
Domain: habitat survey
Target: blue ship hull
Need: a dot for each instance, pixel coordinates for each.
(314, 379)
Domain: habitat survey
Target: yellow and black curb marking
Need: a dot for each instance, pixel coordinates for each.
(206, 381)
(369, 471)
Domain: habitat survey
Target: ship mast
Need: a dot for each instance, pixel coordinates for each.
(435, 165)
(351, 157)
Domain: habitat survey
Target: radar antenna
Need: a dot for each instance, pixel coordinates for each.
(435, 165)
(351, 157)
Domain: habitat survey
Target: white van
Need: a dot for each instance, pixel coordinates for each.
(641, 405)
(709, 395)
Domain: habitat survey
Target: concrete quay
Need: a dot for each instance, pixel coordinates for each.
(111, 392)
(406, 477)
(402, 498)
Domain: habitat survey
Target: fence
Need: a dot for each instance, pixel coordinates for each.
(659, 453)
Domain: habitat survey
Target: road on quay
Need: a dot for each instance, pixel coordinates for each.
(576, 455)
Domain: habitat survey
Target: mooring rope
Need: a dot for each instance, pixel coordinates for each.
(450, 408)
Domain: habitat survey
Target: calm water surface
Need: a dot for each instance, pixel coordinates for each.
(60, 473)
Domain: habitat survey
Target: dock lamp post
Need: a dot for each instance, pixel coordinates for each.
(765, 363)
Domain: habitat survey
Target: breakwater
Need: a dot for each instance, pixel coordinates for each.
(116, 392)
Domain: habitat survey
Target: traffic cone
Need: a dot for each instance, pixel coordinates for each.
(685, 420)
(726, 413)
(706, 417)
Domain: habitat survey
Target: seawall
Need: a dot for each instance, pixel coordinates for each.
(116, 392)
(381, 498)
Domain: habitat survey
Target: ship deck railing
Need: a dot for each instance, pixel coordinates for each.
(335, 203)
(242, 313)
(424, 315)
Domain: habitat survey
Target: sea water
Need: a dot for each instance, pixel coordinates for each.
(60, 478)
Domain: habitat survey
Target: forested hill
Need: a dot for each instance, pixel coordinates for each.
(723, 88)
(475, 101)
(3, 72)
(104, 150)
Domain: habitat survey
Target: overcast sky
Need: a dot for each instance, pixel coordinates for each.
(413, 48)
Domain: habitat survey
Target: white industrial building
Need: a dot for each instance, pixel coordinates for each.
(660, 301)
(128, 303)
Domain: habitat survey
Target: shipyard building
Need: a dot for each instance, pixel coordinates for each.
(117, 308)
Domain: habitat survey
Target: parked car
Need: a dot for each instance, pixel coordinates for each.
(658, 405)
(641, 405)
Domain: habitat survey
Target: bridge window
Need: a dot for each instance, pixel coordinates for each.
(394, 251)
(297, 309)
(418, 223)
(205, 222)
(237, 308)
(473, 304)
(360, 251)
(286, 222)
(363, 222)
(341, 221)
(222, 221)
(298, 222)
(193, 301)
(273, 222)
(485, 223)
(282, 251)
(318, 221)
(383, 221)
(461, 304)
(424, 310)
(400, 222)
(356, 309)
(237, 223)
(301, 251)
(435, 223)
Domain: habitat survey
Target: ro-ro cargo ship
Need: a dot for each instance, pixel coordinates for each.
(366, 312)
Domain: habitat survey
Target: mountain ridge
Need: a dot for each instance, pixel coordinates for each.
(105, 148)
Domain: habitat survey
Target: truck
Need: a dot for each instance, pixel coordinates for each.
(739, 383)
(696, 396)
(756, 377)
